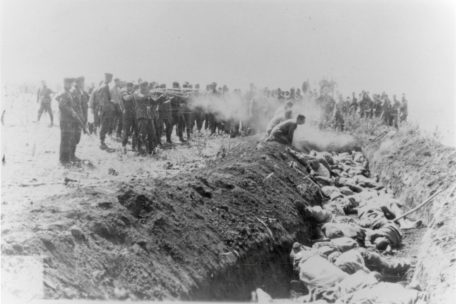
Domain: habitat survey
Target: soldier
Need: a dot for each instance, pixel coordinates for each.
(69, 118)
(377, 105)
(284, 132)
(395, 113)
(354, 104)
(211, 121)
(177, 102)
(84, 97)
(198, 110)
(128, 116)
(404, 109)
(80, 103)
(146, 129)
(165, 114)
(188, 115)
(44, 98)
(278, 118)
(102, 97)
(116, 99)
(387, 111)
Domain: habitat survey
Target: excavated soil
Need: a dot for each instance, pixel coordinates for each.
(212, 233)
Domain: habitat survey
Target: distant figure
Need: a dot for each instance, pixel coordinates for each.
(283, 132)
(102, 104)
(71, 121)
(403, 109)
(44, 98)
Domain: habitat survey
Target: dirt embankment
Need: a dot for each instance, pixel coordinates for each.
(212, 233)
(414, 167)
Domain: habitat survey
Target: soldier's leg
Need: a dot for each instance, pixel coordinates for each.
(151, 136)
(119, 121)
(158, 129)
(66, 137)
(199, 121)
(181, 126)
(106, 126)
(127, 128)
(188, 124)
(76, 139)
(142, 135)
(51, 116)
(40, 112)
(169, 130)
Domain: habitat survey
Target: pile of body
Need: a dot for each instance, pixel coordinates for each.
(356, 228)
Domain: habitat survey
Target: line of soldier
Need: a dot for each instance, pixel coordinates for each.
(142, 113)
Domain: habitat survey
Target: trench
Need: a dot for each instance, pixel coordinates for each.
(270, 268)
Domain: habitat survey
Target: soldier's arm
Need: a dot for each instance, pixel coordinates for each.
(38, 96)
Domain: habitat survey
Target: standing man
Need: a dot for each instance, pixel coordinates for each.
(84, 97)
(69, 118)
(44, 98)
(102, 97)
(128, 115)
(116, 99)
(404, 108)
(80, 102)
(146, 129)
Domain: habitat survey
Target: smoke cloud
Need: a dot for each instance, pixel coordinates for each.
(258, 108)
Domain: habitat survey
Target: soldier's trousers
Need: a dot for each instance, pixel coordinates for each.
(129, 128)
(199, 118)
(67, 134)
(117, 120)
(76, 139)
(146, 135)
(189, 122)
(179, 121)
(107, 118)
(46, 107)
(211, 122)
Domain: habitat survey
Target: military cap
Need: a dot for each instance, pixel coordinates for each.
(130, 84)
(68, 80)
(176, 85)
(80, 79)
(144, 83)
(108, 76)
(163, 86)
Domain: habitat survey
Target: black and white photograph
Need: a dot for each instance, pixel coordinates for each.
(231, 151)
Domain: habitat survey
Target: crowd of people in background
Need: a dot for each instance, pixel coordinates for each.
(144, 114)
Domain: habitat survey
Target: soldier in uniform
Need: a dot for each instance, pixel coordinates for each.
(128, 115)
(146, 129)
(395, 113)
(404, 109)
(284, 131)
(198, 111)
(83, 96)
(386, 111)
(44, 98)
(116, 99)
(107, 109)
(70, 122)
(80, 103)
(188, 115)
(177, 102)
(165, 114)
(354, 104)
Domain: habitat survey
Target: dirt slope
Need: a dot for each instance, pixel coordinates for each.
(203, 234)
(414, 167)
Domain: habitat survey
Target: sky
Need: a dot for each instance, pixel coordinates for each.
(392, 46)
